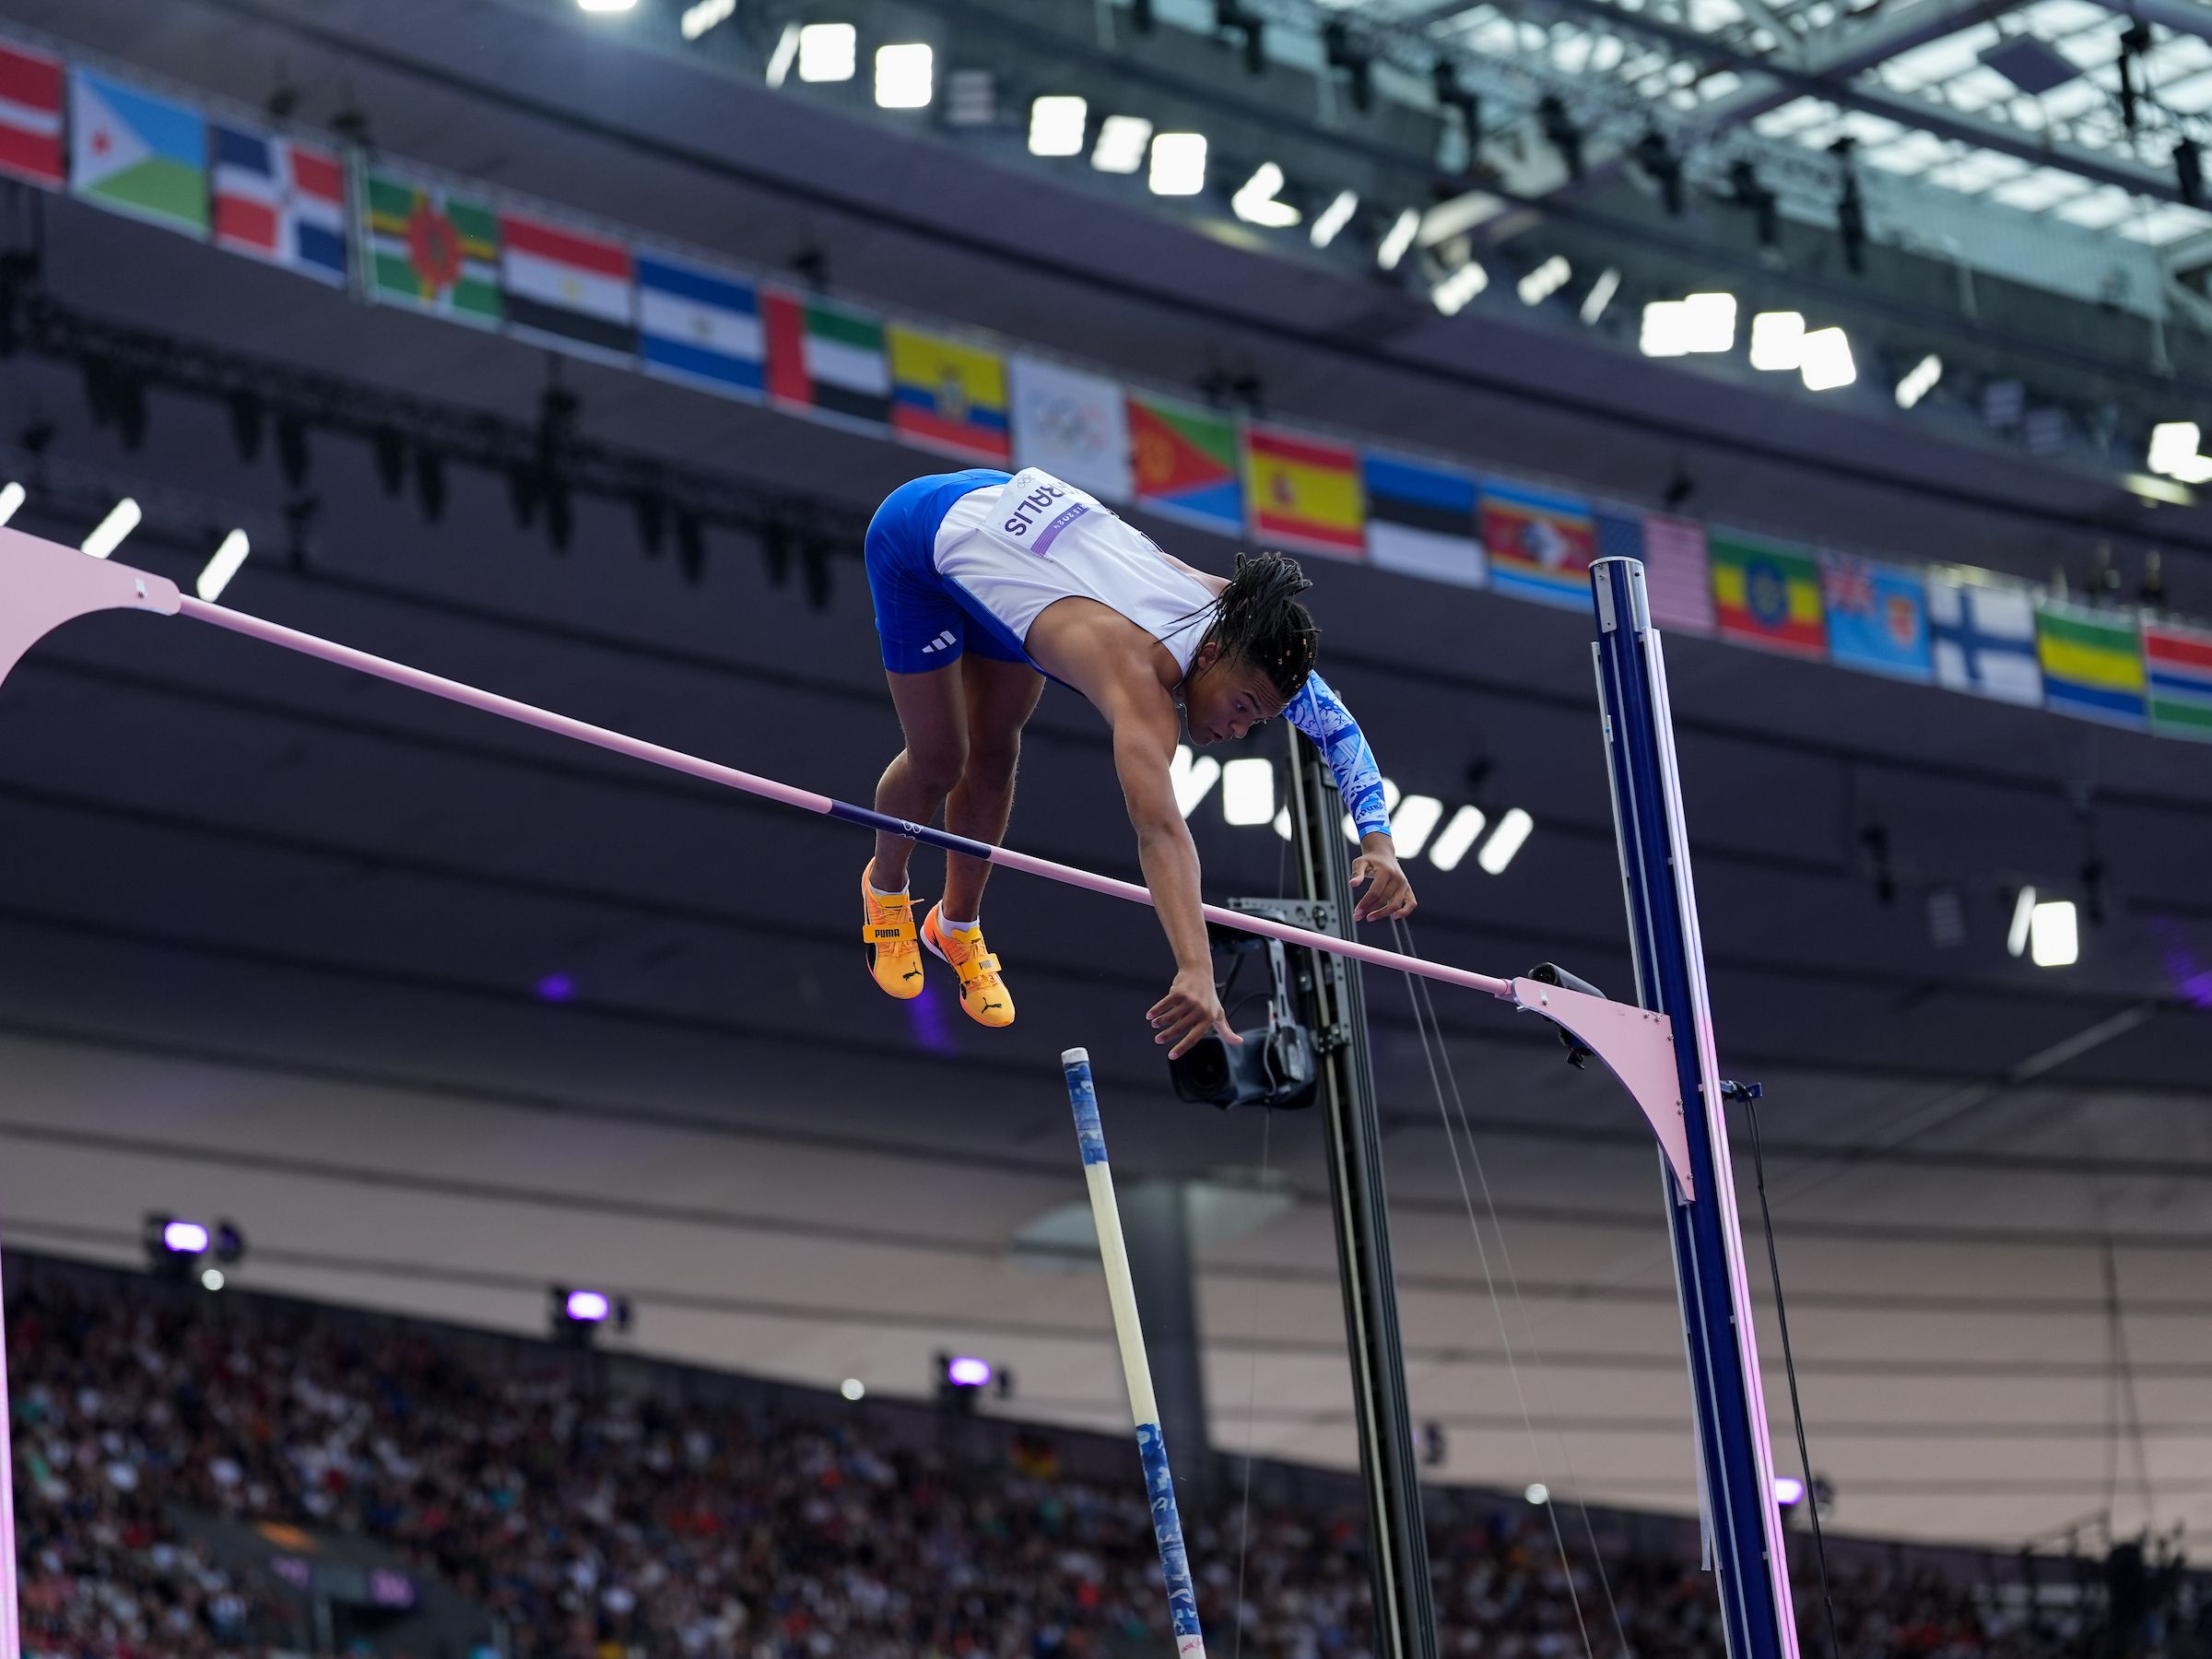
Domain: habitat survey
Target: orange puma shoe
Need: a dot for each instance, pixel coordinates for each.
(887, 930)
(984, 996)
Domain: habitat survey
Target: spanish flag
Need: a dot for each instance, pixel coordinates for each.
(1768, 596)
(949, 395)
(1303, 493)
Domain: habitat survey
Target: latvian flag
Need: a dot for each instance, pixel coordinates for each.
(568, 289)
(30, 116)
(280, 201)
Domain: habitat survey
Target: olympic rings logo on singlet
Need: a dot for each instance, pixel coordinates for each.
(1034, 508)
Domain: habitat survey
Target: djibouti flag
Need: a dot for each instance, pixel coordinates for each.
(137, 154)
(430, 249)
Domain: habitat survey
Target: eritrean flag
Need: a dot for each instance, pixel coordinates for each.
(949, 395)
(2092, 663)
(1539, 545)
(431, 249)
(1767, 595)
(1303, 493)
(1186, 463)
(2178, 661)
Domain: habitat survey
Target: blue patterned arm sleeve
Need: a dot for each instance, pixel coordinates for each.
(1320, 714)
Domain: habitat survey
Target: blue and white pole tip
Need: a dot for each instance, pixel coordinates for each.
(1083, 1095)
(1074, 1056)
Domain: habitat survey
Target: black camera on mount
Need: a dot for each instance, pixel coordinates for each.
(1279, 1063)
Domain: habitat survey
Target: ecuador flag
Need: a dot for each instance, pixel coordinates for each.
(949, 395)
(2092, 663)
(1186, 463)
(1304, 493)
(1767, 595)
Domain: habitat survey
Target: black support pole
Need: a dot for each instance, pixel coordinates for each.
(1399, 1547)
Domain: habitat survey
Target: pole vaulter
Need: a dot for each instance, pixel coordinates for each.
(44, 584)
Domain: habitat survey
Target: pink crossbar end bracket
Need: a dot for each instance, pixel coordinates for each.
(1638, 1047)
(44, 584)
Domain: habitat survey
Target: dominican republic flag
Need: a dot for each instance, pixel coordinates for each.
(568, 289)
(280, 201)
(699, 326)
(30, 116)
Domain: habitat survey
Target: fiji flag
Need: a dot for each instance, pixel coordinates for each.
(1877, 617)
(280, 201)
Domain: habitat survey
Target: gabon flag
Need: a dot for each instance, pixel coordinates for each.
(1303, 493)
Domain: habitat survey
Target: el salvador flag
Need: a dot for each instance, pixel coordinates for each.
(699, 326)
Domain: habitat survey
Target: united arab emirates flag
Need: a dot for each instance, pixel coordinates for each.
(826, 360)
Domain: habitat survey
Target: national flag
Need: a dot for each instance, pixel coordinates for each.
(1877, 616)
(2092, 663)
(1186, 463)
(569, 289)
(949, 395)
(137, 153)
(1984, 635)
(1072, 424)
(431, 249)
(826, 359)
(30, 116)
(1540, 545)
(2178, 663)
(1303, 493)
(280, 201)
(1767, 595)
(1420, 520)
(1677, 573)
(699, 326)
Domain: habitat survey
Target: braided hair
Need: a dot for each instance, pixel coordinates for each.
(1258, 618)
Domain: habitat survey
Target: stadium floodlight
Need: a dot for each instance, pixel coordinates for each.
(1920, 381)
(1257, 201)
(1122, 143)
(212, 1279)
(1056, 125)
(1545, 281)
(1414, 823)
(1248, 791)
(607, 6)
(578, 1316)
(1538, 1493)
(852, 1388)
(588, 1307)
(1789, 1491)
(184, 1238)
(1827, 360)
(704, 15)
(1455, 293)
(905, 75)
(108, 535)
(785, 54)
(228, 561)
(967, 1371)
(828, 52)
(12, 497)
(2173, 452)
(1600, 295)
(1177, 164)
(1664, 330)
(1505, 841)
(1458, 835)
(2054, 934)
(2023, 917)
(1399, 241)
(1335, 218)
(1709, 322)
(1777, 341)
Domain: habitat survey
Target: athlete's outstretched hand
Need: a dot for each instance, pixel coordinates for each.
(1388, 894)
(1189, 1010)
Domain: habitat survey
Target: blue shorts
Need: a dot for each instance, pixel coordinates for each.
(922, 621)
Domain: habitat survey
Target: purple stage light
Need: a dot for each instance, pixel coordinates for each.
(968, 1373)
(588, 1307)
(555, 987)
(1789, 1491)
(184, 1238)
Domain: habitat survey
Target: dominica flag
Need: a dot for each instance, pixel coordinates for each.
(431, 249)
(1186, 463)
(1420, 520)
(949, 395)
(1877, 616)
(1303, 493)
(826, 360)
(569, 289)
(30, 116)
(2092, 663)
(701, 326)
(2178, 661)
(136, 153)
(1539, 545)
(280, 201)
(1767, 595)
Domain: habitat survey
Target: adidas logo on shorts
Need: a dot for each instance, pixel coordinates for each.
(939, 643)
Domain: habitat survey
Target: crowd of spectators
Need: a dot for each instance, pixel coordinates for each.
(597, 1522)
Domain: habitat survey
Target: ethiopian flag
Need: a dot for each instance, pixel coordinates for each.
(1185, 462)
(431, 249)
(1304, 493)
(2092, 663)
(137, 154)
(1767, 595)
